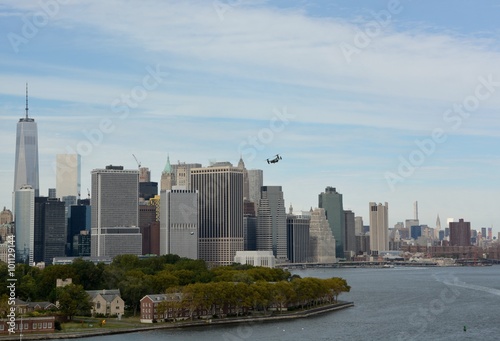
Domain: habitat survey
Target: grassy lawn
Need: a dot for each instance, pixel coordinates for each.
(88, 323)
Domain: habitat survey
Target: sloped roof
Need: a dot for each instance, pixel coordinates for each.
(104, 292)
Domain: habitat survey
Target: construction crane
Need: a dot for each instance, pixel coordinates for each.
(138, 163)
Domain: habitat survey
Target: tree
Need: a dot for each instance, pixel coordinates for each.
(303, 292)
(133, 287)
(27, 288)
(262, 294)
(88, 274)
(283, 294)
(243, 296)
(194, 297)
(337, 285)
(46, 280)
(163, 280)
(126, 262)
(184, 276)
(73, 300)
(4, 305)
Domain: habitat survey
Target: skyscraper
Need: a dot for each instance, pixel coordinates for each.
(167, 177)
(114, 210)
(460, 233)
(331, 201)
(6, 216)
(241, 165)
(147, 188)
(379, 226)
(78, 220)
(322, 240)
(50, 226)
(297, 238)
(68, 175)
(150, 229)
(271, 222)
(350, 234)
(438, 227)
(25, 224)
(179, 223)
(358, 225)
(182, 174)
(26, 161)
(220, 206)
(255, 182)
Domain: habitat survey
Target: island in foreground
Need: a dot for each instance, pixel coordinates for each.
(128, 326)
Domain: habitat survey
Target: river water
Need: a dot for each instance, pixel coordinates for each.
(390, 304)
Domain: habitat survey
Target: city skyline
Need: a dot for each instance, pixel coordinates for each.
(405, 115)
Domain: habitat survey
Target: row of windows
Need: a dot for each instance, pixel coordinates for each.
(148, 310)
(25, 326)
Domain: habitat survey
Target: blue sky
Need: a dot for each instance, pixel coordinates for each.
(388, 101)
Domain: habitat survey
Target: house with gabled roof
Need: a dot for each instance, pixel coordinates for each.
(107, 302)
(23, 307)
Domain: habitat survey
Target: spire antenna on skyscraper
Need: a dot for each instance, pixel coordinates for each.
(26, 159)
(26, 101)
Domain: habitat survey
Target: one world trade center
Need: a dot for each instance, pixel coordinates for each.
(26, 168)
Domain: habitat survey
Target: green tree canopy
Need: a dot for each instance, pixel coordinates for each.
(73, 300)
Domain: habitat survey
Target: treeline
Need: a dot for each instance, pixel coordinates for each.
(134, 277)
(215, 298)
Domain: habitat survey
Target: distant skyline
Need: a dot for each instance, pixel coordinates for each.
(387, 101)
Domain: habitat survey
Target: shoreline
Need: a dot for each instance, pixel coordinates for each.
(179, 325)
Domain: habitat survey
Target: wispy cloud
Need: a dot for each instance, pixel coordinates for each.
(225, 78)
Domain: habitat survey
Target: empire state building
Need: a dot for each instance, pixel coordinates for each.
(26, 167)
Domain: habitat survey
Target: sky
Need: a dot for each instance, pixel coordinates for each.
(387, 101)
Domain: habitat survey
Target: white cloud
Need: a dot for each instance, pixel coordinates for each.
(232, 73)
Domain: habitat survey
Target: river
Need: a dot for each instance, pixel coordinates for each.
(402, 303)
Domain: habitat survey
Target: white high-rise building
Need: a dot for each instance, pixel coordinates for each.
(220, 203)
(379, 228)
(115, 210)
(358, 225)
(25, 224)
(68, 175)
(179, 223)
(321, 240)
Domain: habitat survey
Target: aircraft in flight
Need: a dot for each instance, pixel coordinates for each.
(275, 159)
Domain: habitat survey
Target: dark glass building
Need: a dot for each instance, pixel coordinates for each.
(79, 220)
(50, 229)
(297, 235)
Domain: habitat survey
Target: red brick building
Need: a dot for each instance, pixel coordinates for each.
(29, 325)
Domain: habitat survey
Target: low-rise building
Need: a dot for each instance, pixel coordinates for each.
(23, 307)
(106, 302)
(256, 258)
(28, 325)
